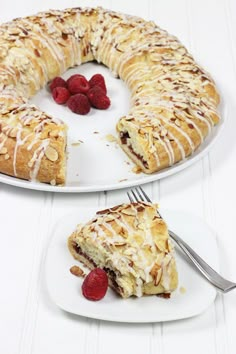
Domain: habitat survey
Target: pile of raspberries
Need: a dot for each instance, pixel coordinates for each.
(79, 94)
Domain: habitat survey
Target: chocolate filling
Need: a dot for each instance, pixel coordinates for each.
(164, 295)
(139, 157)
(78, 250)
(111, 274)
(123, 137)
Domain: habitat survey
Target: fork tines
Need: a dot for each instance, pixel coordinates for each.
(137, 195)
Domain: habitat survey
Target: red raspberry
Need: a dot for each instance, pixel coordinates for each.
(79, 104)
(95, 285)
(97, 98)
(95, 90)
(98, 80)
(78, 84)
(60, 95)
(72, 77)
(57, 82)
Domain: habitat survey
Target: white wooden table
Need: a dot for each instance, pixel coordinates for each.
(29, 321)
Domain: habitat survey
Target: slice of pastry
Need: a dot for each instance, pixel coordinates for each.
(131, 243)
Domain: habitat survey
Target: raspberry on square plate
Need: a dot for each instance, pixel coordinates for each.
(95, 285)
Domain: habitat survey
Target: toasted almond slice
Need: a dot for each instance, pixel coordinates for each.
(13, 133)
(54, 134)
(77, 271)
(156, 273)
(51, 154)
(3, 150)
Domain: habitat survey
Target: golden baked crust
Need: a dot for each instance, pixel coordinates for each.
(173, 100)
(131, 243)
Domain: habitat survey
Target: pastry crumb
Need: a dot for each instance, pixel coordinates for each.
(182, 290)
(136, 169)
(53, 182)
(122, 180)
(77, 271)
(77, 143)
(110, 138)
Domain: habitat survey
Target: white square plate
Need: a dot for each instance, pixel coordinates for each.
(65, 289)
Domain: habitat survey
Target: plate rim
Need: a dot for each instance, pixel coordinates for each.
(92, 314)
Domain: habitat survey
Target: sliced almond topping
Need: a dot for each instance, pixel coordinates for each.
(141, 226)
(7, 157)
(77, 271)
(177, 122)
(119, 244)
(128, 211)
(54, 134)
(140, 208)
(130, 251)
(13, 30)
(51, 154)
(36, 52)
(13, 133)
(3, 150)
(163, 132)
(156, 273)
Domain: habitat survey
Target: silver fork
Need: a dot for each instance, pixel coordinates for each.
(137, 194)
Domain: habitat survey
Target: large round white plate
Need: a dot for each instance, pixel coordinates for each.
(94, 163)
(65, 289)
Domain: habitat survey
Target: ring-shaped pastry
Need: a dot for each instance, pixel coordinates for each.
(173, 100)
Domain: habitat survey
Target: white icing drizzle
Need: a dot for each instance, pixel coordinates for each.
(48, 43)
(36, 159)
(109, 228)
(7, 71)
(171, 151)
(139, 285)
(123, 224)
(19, 142)
(41, 63)
(165, 274)
(167, 148)
(180, 146)
(99, 230)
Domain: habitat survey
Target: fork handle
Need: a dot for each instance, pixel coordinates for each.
(210, 274)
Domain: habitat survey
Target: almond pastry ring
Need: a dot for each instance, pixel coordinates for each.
(173, 100)
(131, 243)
